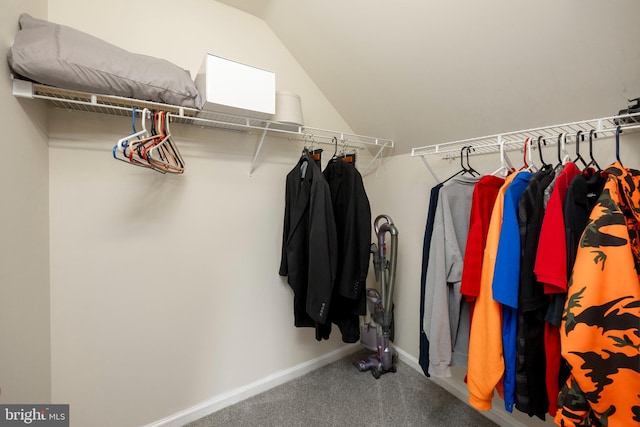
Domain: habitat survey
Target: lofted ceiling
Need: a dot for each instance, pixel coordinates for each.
(430, 71)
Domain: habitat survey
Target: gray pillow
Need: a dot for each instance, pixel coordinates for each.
(60, 56)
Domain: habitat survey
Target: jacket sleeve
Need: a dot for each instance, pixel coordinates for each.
(444, 256)
(284, 265)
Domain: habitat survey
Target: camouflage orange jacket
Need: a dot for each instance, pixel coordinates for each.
(600, 328)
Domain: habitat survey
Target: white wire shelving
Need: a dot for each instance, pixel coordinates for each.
(120, 106)
(511, 141)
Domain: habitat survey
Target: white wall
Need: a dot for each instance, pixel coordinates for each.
(25, 371)
(164, 289)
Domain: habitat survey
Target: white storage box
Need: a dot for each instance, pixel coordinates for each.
(232, 88)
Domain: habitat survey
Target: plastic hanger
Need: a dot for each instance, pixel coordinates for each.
(157, 152)
(561, 148)
(134, 150)
(471, 170)
(618, 130)
(164, 155)
(505, 164)
(123, 143)
(540, 138)
(593, 134)
(462, 170)
(578, 156)
(527, 161)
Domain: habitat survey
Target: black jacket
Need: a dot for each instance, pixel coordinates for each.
(352, 214)
(309, 246)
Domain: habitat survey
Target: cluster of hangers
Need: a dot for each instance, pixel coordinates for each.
(316, 153)
(528, 164)
(150, 148)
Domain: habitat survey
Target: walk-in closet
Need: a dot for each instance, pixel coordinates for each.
(147, 271)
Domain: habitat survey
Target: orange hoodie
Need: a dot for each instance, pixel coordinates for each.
(486, 362)
(599, 330)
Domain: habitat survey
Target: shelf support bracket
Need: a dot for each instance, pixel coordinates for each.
(22, 89)
(426, 163)
(255, 156)
(374, 159)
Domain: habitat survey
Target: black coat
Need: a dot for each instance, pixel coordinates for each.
(352, 214)
(309, 246)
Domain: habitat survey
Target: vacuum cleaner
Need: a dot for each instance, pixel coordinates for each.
(376, 334)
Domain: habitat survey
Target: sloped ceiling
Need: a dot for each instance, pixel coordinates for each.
(430, 71)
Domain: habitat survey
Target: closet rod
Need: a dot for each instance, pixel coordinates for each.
(514, 140)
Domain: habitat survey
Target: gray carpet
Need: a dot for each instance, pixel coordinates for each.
(339, 395)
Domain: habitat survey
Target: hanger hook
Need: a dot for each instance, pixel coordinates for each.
(593, 134)
(540, 138)
(559, 143)
(469, 167)
(579, 135)
(562, 138)
(527, 141)
(618, 130)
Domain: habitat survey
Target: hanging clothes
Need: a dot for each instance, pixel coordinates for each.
(599, 332)
(486, 361)
(352, 214)
(484, 198)
(551, 271)
(582, 196)
(446, 314)
(531, 395)
(423, 358)
(309, 245)
(506, 277)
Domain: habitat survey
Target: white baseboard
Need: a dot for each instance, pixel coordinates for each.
(244, 392)
(459, 390)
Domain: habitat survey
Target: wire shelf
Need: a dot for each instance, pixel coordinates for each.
(121, 106)
(512, 141)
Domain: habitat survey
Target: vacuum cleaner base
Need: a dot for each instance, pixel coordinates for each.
(374, 364)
